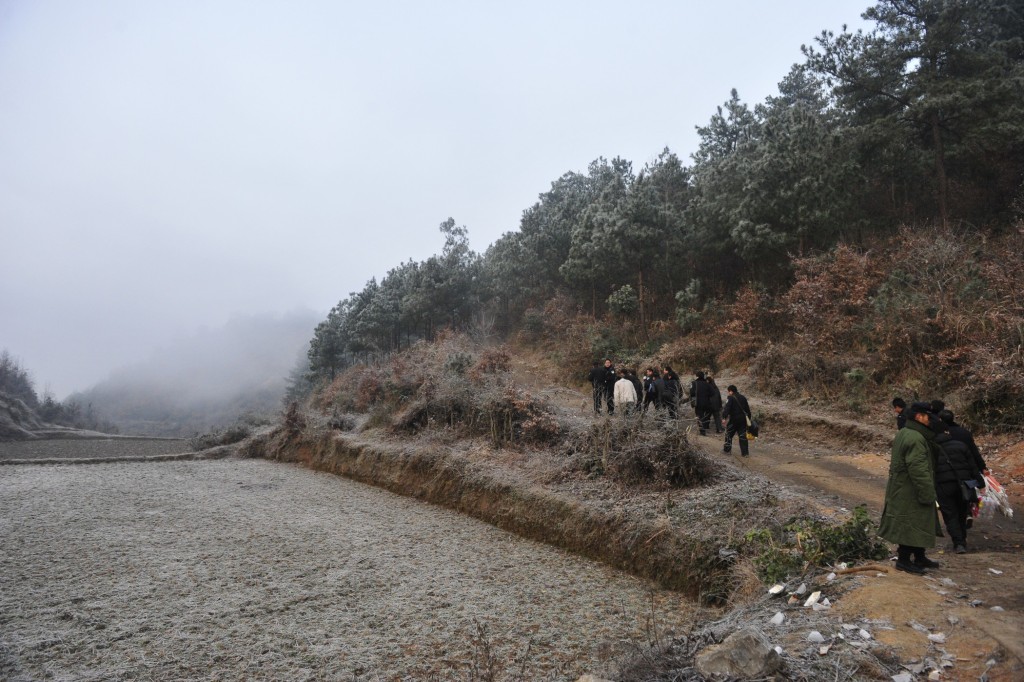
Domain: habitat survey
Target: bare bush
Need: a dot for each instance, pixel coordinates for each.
(635, 449)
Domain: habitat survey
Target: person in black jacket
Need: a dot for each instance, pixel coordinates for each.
(735, 413)
(672, 390)
(953, 465)
(652, 390)
(716, 404)
(597, 381)
(961, 434)
(701, 396)
(610, 377)
(898, 405)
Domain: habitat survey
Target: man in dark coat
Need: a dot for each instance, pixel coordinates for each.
(652, 390)
(958, 432)
(908, 517)
(735, 413)
(953, 465)
(610, 377)
(898, 405)
(716, 404)
(597, 381)
(671, 391)
(701, 395)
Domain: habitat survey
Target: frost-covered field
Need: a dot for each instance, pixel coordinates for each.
(247, 569)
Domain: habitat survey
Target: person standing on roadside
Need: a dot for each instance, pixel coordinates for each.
(651, 390)
(625, 394)
(673, 389)
(597, 382)
(898, 405)
(701, 396)
(908, 518)
(716, 404)
(954, 466)
(637, 386)
(736, 413)
(610, 377)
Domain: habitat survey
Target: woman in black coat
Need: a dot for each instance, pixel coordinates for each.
(953, 465)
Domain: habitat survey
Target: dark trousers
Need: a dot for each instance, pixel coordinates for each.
(672, 404)
(717, 416)
(609, 396)
(598, 397)
(904, 552)
(703, 418)
(731, 430)
(954, 510)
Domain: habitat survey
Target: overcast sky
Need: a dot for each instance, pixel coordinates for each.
(165, 166)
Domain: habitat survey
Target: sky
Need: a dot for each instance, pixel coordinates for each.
(166, 167)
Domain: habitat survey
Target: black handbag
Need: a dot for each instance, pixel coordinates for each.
(969, 489)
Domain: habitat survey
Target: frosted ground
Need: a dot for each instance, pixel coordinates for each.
(233, 569)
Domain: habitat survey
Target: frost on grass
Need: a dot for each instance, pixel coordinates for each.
(249, 569)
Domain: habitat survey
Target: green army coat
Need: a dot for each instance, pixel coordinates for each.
(909, 516)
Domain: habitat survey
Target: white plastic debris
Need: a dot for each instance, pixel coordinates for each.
(801, 589)
(813, 599)
(777, 588)
(830, 577)
(935, 675)
(903, 677)
(953, 620)
(843, 566)
(917, 626)
(815, 636)
(995, 571)
(778, 650)
(778, 618)
(996, 608)
(849, 626)
(937, 638)
(864, 634)
(821, 607)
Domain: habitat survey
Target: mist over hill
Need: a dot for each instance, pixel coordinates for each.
(206, 381)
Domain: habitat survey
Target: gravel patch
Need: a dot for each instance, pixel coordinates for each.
(247, 569)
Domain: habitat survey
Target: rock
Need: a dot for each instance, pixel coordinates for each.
(815, 636)
(778, 618)
(743, 654)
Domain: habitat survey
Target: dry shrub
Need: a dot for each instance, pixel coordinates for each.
(778, 370)
(631, 449)
(492, 361)
(754, 319)
(696, 351)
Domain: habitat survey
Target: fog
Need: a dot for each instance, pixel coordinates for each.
(166, 166)
(207, 381)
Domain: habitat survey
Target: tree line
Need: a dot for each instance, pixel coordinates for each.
(917, 121)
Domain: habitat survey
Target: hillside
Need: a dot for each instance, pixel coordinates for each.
(506, 436)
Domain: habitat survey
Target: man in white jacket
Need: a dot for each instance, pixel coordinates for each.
(625, 393)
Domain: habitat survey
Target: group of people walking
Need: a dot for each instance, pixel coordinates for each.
(935, 462)
(625, 390)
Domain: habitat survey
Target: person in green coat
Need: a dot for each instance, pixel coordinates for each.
(909, 519)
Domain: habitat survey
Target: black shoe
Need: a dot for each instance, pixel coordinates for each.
(908, 567)
(925, 562)
(970, 522)
(960, 549)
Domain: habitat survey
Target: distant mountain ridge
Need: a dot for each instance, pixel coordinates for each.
(207, 381)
